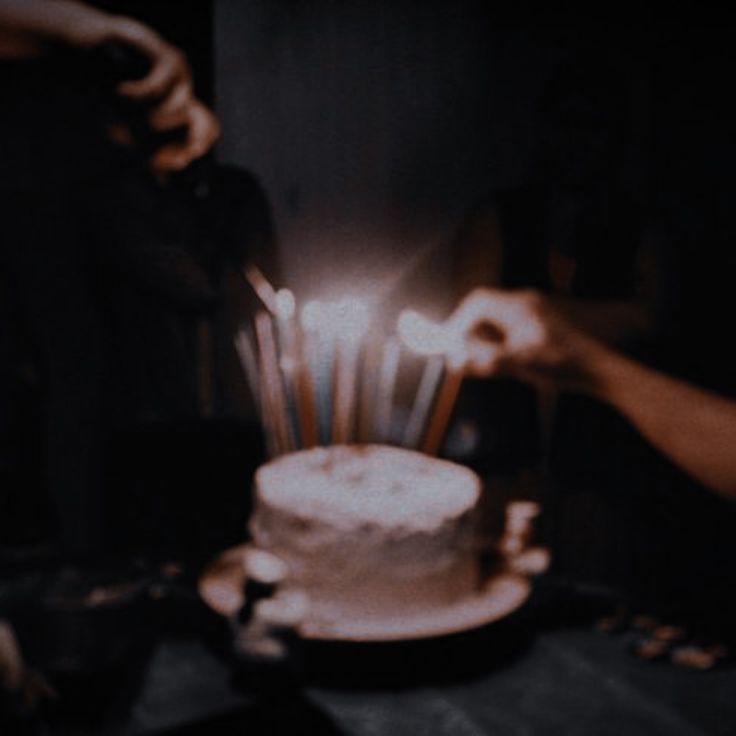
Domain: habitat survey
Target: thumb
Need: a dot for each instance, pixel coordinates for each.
(482, 358)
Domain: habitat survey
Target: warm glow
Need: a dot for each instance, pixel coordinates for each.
(347, 319)
(285, 304)
(312, 315)
(421, 335)
(425, 337)
(350, 318)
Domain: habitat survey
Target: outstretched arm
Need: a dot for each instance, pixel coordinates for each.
(694, 427)
(522, 334)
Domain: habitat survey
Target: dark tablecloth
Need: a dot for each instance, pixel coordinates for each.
(564, 680)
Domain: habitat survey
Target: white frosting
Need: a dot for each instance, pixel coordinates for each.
(370, 531)
(369, 484)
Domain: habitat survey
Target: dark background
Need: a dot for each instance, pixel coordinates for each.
(375, 127)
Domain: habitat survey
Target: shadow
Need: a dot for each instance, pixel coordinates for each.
(181, 490)
(287, 714)
(407, 664)
(559, 603)
(98, 701)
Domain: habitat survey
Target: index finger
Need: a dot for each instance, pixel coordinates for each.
(169, 66)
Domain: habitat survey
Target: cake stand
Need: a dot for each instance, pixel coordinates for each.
(501, 595)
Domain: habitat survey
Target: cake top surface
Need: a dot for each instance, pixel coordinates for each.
(362, 484)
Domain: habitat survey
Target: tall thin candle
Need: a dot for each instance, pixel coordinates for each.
(426, 392)
(287, 356)
(386, 386)
(348, 321)
(369, 370)
(249, 362)
(306, 401)
(319, 352)
(261, 285)
(442, 413)
(295, 370)
(428, 338)
(275, 404)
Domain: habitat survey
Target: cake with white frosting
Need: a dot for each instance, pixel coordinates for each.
(370, 532)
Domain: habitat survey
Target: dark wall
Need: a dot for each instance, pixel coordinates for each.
(373, 126)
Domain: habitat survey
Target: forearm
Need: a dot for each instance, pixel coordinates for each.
(48, 19)
(28, 26)
(694, 427)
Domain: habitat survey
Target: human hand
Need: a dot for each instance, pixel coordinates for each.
(521, 334)
(201, 127)
(168, 85)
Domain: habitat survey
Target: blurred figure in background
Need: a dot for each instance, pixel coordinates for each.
(522, 333)
(121, 256)
(574, 231)
(639, 297)
(122, 245)
(62, 177)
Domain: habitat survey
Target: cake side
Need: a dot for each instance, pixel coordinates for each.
(370, 531)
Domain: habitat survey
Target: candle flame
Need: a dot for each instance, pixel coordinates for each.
(347, 319)
(311, 315)
(285, 304)
(425, 337)
(421, 335)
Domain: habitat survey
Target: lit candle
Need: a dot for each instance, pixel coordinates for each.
(249, 362)
(274, 410)
(386, 386)
(295, 371)
(306, 402)
(319, 353)
(442, 413)
(285, 306)
(429, 338)
(426, 392)
(349, 323)
(262, 287)
(370, 368)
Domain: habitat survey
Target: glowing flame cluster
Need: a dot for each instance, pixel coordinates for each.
(316, 379)
(425, 337)
(346, 319)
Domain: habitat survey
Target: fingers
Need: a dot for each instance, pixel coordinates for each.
(482, 358)
(169, 67)
(169, 82)
(501, 309)
(514, 317)
(503, 332)
(203, 130)
(174, 111)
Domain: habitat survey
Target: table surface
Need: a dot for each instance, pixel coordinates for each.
(563, 680)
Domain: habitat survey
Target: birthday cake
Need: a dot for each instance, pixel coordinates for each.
(370, 532)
